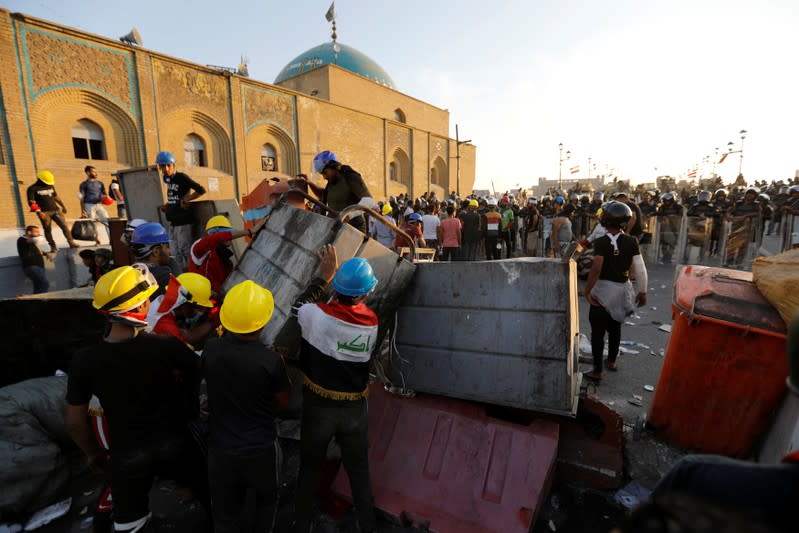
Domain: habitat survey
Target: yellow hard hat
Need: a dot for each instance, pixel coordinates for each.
(123, 289)
(247, 308)
(218, 221)
(46, 176)
(199, 288)
(473, 203)
(387, 209)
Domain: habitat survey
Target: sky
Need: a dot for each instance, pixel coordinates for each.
(644, 88)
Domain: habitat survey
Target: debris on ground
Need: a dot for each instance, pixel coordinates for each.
(649, 388)
(631, 495)
(665, 327)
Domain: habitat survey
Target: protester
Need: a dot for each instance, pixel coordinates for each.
(382, 233)
(32, 258)
(92, 196)
(45, 202)
(180, 191)
(449, 233)
(246, 385)
(430, 226)
(414, 231)
(471, 230)
(492, 222)
(150, 246)
(608, 288)
(185, 311)
(337, 343)
(147, 386)
(212, 255)
(115, 191)
(562, 233)
(345, 187)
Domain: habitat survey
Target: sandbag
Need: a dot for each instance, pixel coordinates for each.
(777, 278)
(33, 468)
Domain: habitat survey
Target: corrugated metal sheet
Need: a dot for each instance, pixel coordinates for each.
(500, 332)
(283, 258)
(443, 463)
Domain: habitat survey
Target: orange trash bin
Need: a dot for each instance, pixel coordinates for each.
(724, 371)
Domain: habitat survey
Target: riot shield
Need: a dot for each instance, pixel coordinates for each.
(789, 232)
(651, 238)
(741, 242)
(696, 239)
(669, 230)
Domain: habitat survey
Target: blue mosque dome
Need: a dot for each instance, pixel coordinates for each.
(335, 53)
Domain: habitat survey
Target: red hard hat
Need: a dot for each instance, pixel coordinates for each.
(107, 200)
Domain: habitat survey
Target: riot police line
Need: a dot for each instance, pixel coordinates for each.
(712, 241)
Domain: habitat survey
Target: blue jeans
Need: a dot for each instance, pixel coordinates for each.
(39, 278)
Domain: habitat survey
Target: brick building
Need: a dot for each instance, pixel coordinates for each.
(69, 98)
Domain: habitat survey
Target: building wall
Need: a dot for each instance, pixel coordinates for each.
(143, 102)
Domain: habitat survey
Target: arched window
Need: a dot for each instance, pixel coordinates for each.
(438, 173)
(269, 158)
(194, 151)
(433, 176)
(88, 141)
(399, 116)
(399, 168)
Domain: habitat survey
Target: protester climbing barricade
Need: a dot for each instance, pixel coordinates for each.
(283, 257)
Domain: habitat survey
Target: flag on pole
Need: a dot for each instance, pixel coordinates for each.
(574, 170)
(723, 157)
(331, 12)
(692, 174)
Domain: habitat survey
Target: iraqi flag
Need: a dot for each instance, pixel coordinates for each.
(574, 170)
(692, 174)
(723, 157)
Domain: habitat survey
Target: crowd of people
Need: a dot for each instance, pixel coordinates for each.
(172, 327)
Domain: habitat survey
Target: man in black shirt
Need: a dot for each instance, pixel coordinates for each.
(471, 231)
(180, 191)
(246, 384)
(32, 259)
(45, 202)
(608, 289)
(147, 386)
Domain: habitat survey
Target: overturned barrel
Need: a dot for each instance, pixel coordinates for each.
(501, 332)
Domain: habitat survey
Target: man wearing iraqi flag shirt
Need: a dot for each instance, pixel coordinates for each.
(338, 337)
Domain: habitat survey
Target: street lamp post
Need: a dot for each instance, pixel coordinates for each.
(560, 165)
(589, 169)
(458, 144)
(730, 150)
(742, 133)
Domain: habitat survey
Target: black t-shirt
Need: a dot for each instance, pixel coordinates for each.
(242, 379)
(471, 226)
(29, 253)
(616, 267)
(177, 186)
(146, 385)
(44, 195)
(637, 229)
(646, 209)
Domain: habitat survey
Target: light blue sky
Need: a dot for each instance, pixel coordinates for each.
(636, 85)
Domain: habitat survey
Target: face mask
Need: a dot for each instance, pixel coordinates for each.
(39, 239)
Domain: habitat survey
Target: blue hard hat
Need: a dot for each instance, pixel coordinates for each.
(354, 278)
(559, 199)
(165, 158)
(322, 159)
(414, 217)
(150, 233)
